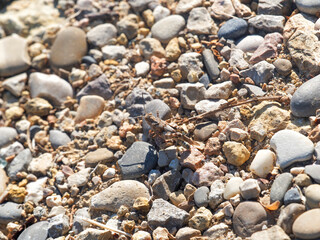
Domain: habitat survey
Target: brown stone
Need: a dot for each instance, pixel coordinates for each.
(192, 158)
(90, 107)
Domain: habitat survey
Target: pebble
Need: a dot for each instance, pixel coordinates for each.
(79, 179)
(236, 153)
(187, 233)
(139, 159)
(78, 224)
(10, 211)
(68, 48)
(263, 163)
(267, 23)
(304, 102)
(219, 90)
(119, 193)
(210, 64)
(36, 190)
(8, 134)
(288, 215)
(142, 68)
(15, 84)
(313, 171)
(274, 232)
(233, 29)
(167, 28)
(248, 218)
(201, 196)
(216, 231)
(164, 214)
(99, 156)
(279, 7)
(151, 47)
(19, 163)
(200, 21)
(190, 62)
(129, 26)
(236, 59)
(113, 52)
(58, 226)
(49, 86)
(90, 107)
(260, 72)
(292, 196)
(99, 86)
(250, 189)
(38, 106)
(208, 105)
(204, 130)
(41, 164)
(58, 138)
(283, 66)
(306, 225)
(101, 35)
(217, 190)
(302, 180)
(310, 7)
(280, 186)
(14, 58)
(191, 94)
(185, 6)
(206, 175)
(166, 156)
(165, 184)
(312, 196)
(291, 147)
(249, 43)
(232, 188)
(222, 9)
(201, 220)
(160, 12)
(37, 231)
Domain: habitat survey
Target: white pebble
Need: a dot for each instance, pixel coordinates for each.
(232, 187)
(52, 201)
(142, 68)
(160, 12)
(263, 163)
(109, 173)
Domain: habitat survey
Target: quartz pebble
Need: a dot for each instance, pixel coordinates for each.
(263, 163)
(232, 187)
(249, 189)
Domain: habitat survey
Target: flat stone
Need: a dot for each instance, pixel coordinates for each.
(192, 158)
(302, 180)
(232, 187)
(187, 233)
(90, 106)
(233, 29)
(292, 196)
(291, 147)
(254, 90)
(304, 102)
(310, 6)
(249, 43)
(201, 196)
(14, 55)
(185, 6)
(40, 165)
(79, 179)
(19, 163)
(312, 195)
(37, 231)
(168, 28)
(280, 186)
(10, 212)
(274, 7)
(200, 21)
(50, 87)
(236, 59)
(206, 175)
(288, 215)
(190, 62)
(267, 23)
(119, 193)
(102, 34)
(203, 131)
(236, 153)
(8, 134)
(165, 184)
(142, 68)
(260, 72)
(283, 66)
(210, 64)
(113, 52)
(166, 215)
(139, 159)
(68, 48)
(191, 94)
(151, 47)
(306, 225)
(58, 138)
(15, 84)
(248, 218)
(272, 233)
(160, 12)
(99, 156)
(219, 90)
(313, 171)
(99, 87)
(166, 156)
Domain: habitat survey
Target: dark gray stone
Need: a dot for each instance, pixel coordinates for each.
(99, 87)
(211, 64)
(58, 138)
(78, 224)
(139, 159)
(88, 60)
(280, 186)
(254, 90)
(305, 100)
(201, 197)
(7, 136)
(313, 171)
(292, 196)
(37, 231)
(10, 212)
(33, 130)
(58, 226)
(233, 29)
(166, 184)
(136, 102)
(19, 163)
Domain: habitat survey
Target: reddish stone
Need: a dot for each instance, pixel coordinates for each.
(158, 66)
(192, 158)
(213, 146)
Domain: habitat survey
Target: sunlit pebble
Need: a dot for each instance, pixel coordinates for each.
(31, 178)
(96, 180)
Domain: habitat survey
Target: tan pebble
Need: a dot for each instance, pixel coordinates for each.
(114, 143)
(176, 75)
(302, 180)
(128, 226)
(172, 50)
(177, 197)
(236, 153)
(123, 210)
(161, 233)
(141, 235)
(14, 113)
(201, 220)
(141, 204)
(16, 194)
(148, 17)
(189, 190)
(90, 107)
(296, 170)
(182, 42)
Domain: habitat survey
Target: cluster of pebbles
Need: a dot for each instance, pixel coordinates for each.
(79, 160)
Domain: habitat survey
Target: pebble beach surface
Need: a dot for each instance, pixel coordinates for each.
(163, 120)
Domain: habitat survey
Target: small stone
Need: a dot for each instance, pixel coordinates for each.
(168, 28)
(187, 233)
(201, 220)
(141, 204)
(10, 212)
(68, 48)
(119, 193)
(113, 52)
(158, 66)
(278, 7)
(58, 226)
(191, 94)
(151, 47)
(249, 43)
(14, 58)
(164, 83)
(79, 179)
(173, 51)
(254, 90)
(248, 218)
(302, 180)
(50, 87)
(233, 29)
(166, 184)
(313, 171)
(192, 158)
(15, 84)
(54, 200)
(250, 189)
(177, 198)
(237, 60)
(38, 106)
(14, 113)
(260, 72)
(204, 130)
(201, 196)
(306, 225)
(263, 163)
(109, 173)
(219, 91)
(210, 64)
(274, 232)
(280, 186)
(209, 105)
(166, 215)
(160, 12)
(312, 196)
(19, 163)
(161, 233)
(166, 155)
(267, 23)
(283, 66)
(200, 21)
(90, 107)
(291, 147)
(190, 62)
(236, 153)
(40, 165)
(36, 190)
(222, 9)
(216, 193)
(142, 68)
(232, 187)
(288, 215)
(141, 235)
(37, 231)
(310, 7)
(129, 26)
(187, 5)
(101, 35)
(92, 233)
(99, 156)
(292, 196)
(205, 175)
(216, 231)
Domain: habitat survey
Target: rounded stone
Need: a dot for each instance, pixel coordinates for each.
(201, 196)
(68, 48)
(38, 106)
(288, 215)
(248, 218)
(312, 194)
(313, 171)
(280, 186)
(236, 153)
(120, 193)
(233, 29)
(102, 34)
(263, 163)
(7, 135)
(167, 28)
(101, 155)
(283, 66)
(232, 187)
(58, 138)
(249, 43)
(308, 6)
(37, 231)
(306, 226)
(292, 196)
(90, 107)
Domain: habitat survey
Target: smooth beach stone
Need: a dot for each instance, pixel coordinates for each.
(7, 136)
(305, 101)
(58, 138)
(275, 232)
(248, 218)
(15, 84)
(280, 186)
(292, 196)
(283, 66)
(291, 147)
(288, 215)
(200, 21)
(249, 43)
(37, 231)
(232, 187)
(313, 171)
(308, 6)
(90, 106)
(306, 226)
(263, 163)
(102, 34)
(19, 163)
(167, 28)
(210, 64)
(101, 155)
(201, 196)
(68, 48)
(119, 193)
(233, 29)
(312, 194)
(10, 212)
(50, 87)
(139, 159)
(14, 56)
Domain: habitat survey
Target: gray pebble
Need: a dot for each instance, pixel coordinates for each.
(267, 23)
(210, 64)
(280, 186)
(58, 138)
(233, 29)
(260, 72)
(58, 226)
(203, 131)
(113, 52)
(292, 196)
(102, 34)
(19, 163)
(310, 6)
(37, 231)
(10, 212)
(201, 196)
(7, 136)
(313, 171)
